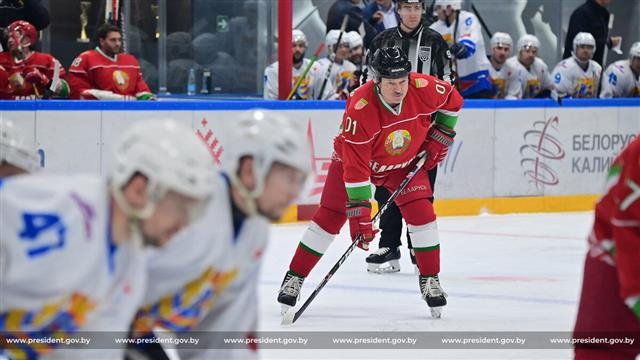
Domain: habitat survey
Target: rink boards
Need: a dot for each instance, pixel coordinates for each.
(508, 156)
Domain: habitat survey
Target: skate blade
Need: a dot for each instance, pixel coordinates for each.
(283, 309)
(436, 312)
(288, 317)
(393, 267)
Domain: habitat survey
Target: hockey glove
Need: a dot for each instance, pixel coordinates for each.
(33, 75)
(360, 225)
(459, 51)
(439, 138)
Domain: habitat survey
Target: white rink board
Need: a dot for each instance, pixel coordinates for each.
(498, 152)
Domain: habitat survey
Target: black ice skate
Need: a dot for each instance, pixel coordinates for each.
(433, 294)
(376, 262)
(289, 291)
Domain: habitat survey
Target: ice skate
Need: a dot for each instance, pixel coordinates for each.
(289, 291)
(383, 261)
(433, 294)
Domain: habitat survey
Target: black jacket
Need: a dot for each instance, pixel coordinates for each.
(336, 14)
(592, 18)
(30, 10)
(432, 54)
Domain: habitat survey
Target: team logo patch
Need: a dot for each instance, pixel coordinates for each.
(361, 104)
(121, 79)
(424, 53)
(420, 83)
(397, 142)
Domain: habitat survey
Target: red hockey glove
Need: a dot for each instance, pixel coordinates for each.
(359, 215)
(34, 76)
(437, 144)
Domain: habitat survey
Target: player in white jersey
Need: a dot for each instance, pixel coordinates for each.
(503, 75)
(309, 88)
(341, 75)
(461, 30)
(356, 49)
(17, 153)
(213, 286)
(71, 254)
(622, 78)
(578, 76)
(533, 73)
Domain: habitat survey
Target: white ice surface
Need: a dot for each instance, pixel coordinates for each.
(518, 272)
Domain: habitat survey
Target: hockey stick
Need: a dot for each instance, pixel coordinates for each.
(291, 316)
(108, 8)
(55, 80)
(481, 20)
(606, 48)
(343, 26)
(454, 62)
(306, 70)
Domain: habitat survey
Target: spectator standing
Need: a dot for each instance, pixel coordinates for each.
(356, 22)
(381, 15)
(622, 78)
(503, 74)
(106, 73)
(591, 17)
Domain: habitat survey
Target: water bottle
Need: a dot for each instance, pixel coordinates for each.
(206, 81)
(191, 82)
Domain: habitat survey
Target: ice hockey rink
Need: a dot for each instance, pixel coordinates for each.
(503, 273)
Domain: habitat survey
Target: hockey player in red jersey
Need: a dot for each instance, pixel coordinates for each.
(610, 301)
(106, 73)
(27, 74)
(385, 126)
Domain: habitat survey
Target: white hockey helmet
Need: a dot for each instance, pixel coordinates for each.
(455, 4)
(170, 156)
(526, 41)
(332, 39)
(502, 39)
(298, 36)
(268, 137)
(16, 149)
(354, 39)
(584, 38)
(634, 51)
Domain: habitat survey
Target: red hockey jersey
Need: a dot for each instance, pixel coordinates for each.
(13, 85)
(615, 238)
(376, 139)
(94, 75)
